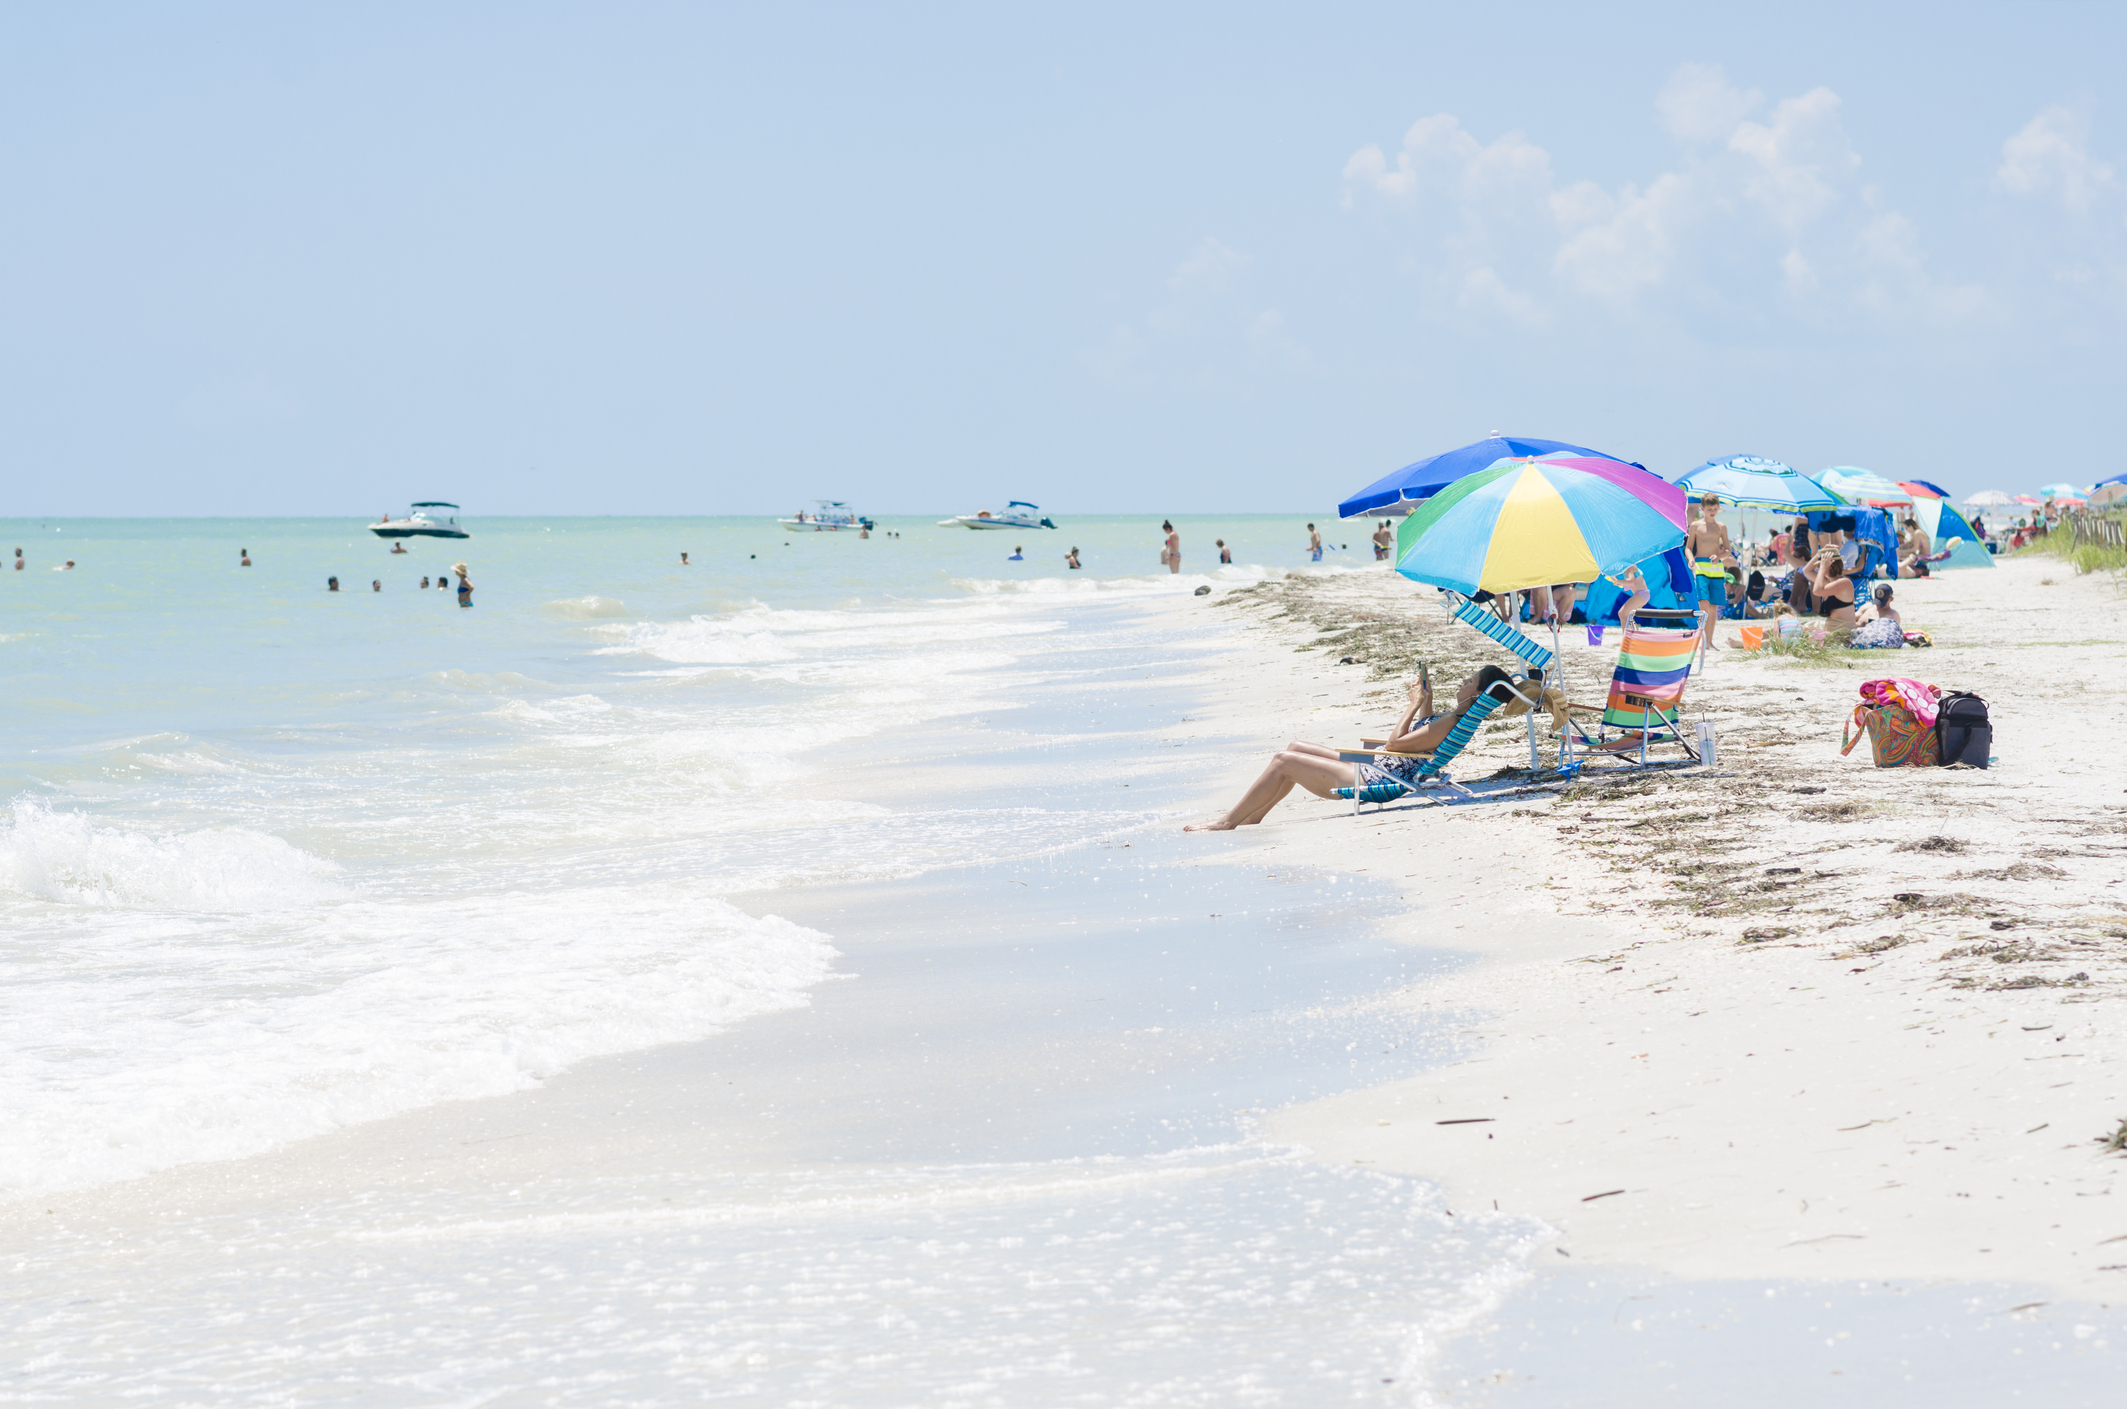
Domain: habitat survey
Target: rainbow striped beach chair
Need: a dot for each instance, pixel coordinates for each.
(1433, 771)
(1646, 692)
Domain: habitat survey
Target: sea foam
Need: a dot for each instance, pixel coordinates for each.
(221, 992)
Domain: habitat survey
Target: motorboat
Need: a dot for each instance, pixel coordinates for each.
(1017, 514)
(832, 516)
(419, 523)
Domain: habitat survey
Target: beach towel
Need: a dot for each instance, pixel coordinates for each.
(1882, 634)
(1913, 694)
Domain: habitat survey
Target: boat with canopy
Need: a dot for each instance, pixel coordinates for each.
(419, 523)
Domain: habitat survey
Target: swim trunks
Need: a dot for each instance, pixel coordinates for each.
(1711, 579)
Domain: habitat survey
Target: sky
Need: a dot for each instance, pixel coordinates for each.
(694, 259)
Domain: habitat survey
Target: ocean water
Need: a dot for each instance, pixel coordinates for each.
(859, 855)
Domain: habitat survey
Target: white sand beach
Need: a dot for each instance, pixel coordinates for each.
(1789, 1016)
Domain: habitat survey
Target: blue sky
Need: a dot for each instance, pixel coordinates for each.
(683, 259)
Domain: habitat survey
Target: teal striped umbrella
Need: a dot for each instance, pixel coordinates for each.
(1747, 482)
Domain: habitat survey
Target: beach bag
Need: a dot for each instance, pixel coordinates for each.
(1897, 738)
(1898, 716)
(1962, 731)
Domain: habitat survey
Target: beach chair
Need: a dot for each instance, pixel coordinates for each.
(1433, 771)
(1537, 655)
(1646, 693)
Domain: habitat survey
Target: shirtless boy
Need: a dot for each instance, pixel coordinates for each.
(1711, 557)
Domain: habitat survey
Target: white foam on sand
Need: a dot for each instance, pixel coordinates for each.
(220, 992)
(1229, 1275)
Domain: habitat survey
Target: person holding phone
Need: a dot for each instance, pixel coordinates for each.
(1317, 768)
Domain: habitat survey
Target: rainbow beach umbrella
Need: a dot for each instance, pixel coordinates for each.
(1531, 522)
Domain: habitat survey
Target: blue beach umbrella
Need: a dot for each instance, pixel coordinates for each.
(1424, 478)
(1527, 522)
(1748, 482)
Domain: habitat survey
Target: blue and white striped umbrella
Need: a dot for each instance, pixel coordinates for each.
(1747, 482)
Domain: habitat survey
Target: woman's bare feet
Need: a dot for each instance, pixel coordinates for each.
(1222, 825)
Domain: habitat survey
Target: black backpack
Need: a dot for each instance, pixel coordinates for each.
(1962, 732)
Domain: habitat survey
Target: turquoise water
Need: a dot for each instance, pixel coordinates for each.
(294, 879)
(259, 835)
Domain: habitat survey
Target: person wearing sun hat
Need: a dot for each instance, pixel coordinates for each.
(465, 585)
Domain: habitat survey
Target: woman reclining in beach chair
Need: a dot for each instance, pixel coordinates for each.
(1318, 769)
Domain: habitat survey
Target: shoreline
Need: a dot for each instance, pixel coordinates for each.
(1865, 1091)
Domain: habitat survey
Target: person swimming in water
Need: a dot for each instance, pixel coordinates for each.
(424, 582)
(1019, 555)
(332, 584)
(398, 547)
(376, 584)
(1071, 560)
(683, 561)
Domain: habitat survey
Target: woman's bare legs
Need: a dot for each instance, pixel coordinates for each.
(1310, 766)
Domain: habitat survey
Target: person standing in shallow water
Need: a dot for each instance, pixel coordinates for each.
(1225, 553)
(1314, 544)
(465, 585)
(243, 557)
(1171, 554)
(18, 560)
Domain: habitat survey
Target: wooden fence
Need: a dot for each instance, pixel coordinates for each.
(2103, 530)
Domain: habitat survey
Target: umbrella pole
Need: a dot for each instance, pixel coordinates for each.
(1558, 678)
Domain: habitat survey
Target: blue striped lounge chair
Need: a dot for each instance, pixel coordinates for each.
(1433, 771)
(1537, 655)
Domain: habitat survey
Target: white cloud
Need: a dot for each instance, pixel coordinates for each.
(1439, 158)
(1699, 106)
(1760, 216)
(1483, 289)
(1212, 264)
(1632, 244)
(2051, 154)
(1802, 158)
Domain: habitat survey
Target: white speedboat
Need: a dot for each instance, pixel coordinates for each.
(1017, 514)
(420, 524)
(833, 516)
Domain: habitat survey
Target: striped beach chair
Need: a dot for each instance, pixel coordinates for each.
(1646, 692)
(1538, 656)
(1505, 633)
(1433, 771)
